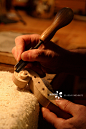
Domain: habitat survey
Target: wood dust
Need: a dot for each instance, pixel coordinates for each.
(18, 109)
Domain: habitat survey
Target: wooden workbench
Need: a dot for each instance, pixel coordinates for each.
(70, 37)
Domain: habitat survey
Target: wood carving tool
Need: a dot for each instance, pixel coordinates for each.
(63, 18)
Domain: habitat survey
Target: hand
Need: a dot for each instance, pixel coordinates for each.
(49, 57)
(48, 54)
(77, 121)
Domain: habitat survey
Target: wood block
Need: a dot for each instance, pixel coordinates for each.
(7, 42)
(7, 58)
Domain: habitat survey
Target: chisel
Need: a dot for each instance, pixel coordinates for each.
(63, 18)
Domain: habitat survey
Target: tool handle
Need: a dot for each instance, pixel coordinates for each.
(21, 64)
(63, 18)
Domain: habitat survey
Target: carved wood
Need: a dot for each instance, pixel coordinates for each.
(44, 96)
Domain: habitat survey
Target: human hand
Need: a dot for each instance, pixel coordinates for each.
(77, 121)
(48, 54)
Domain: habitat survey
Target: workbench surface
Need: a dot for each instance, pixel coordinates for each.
(70, 37)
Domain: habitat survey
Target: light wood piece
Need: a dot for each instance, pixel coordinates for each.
(7, 58)
(44, 96)
(21, 79)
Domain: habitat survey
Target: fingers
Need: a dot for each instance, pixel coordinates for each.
(27, 39)
(67, 106)
(21, 43)
(32, 55)
(35, 66)
(77, 121)
(15, 53)
(47, 58)
(79, 50)
(39, 71)
(38, 55)
(52, 118)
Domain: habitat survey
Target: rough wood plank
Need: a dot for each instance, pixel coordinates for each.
(7, 58)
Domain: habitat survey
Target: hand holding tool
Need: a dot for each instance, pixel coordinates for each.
(63, 18)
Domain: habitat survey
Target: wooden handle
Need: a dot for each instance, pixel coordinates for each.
(63, 18)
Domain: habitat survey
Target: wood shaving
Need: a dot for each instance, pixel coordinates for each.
(18, 109)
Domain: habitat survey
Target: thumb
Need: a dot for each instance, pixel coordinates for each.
(33, 55)
(67, 106)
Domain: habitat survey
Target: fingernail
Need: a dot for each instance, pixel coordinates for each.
(43, 109)
(58, 100)
(23, 56)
